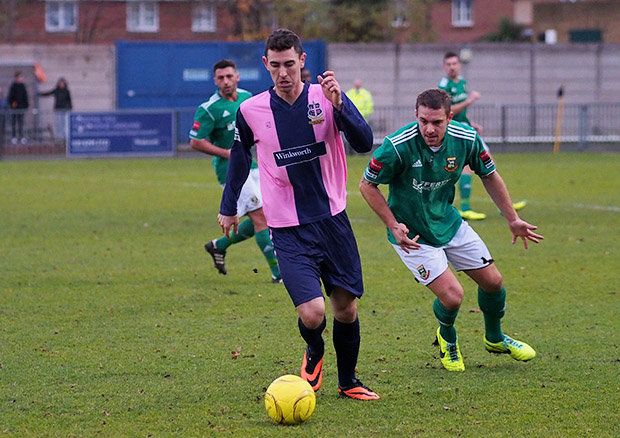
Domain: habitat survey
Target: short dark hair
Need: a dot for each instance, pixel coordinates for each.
(450, 55)
(283, 39)
(434, 98)
(223, 63)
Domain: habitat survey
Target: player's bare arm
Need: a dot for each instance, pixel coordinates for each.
(205, 146)
(226, 222)
(495, 186)
(331, 88)
(471, 98)
(376, 201)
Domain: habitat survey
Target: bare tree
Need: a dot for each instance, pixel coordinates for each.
(89, 23)
(253, 18)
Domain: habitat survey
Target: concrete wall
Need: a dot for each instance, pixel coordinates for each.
(512, 73)
(395, 74)
(90, 71)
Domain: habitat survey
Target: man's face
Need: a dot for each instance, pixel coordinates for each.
(452, 67)
(433, 124)
(226, 80)
(285, 69)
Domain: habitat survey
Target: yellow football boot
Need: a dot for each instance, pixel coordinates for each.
(450, 354)
(471, 215)
(518, 350)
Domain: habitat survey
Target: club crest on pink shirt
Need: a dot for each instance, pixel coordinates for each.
(315, 113)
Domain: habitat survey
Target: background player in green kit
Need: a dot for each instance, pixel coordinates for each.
(215, 120)
(455, 85)
(422, 163)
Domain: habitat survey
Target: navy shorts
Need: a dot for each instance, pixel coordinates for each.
(324, 251)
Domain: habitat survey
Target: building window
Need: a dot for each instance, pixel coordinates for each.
(203, 18)
(60, 16)
(462, 14)
(142, 16)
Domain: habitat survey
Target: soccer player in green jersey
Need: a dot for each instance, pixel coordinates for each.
(455, 85)
(422, 163)
(215, 120)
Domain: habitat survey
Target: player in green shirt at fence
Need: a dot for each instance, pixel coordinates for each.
(422, 163)
(455, 85)
(215, 120)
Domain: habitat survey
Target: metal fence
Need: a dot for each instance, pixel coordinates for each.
(580, 125)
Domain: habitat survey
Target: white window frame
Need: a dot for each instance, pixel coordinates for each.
(204, 18)
(462, 13)
(66, 13)
(138, 19)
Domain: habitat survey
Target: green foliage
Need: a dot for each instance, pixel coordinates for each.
(342, 21)
(507, 32)
(360, 21)
(114, 323)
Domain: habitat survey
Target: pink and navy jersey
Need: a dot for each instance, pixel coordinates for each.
(300, 154)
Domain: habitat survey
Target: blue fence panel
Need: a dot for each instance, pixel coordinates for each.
(179, 74)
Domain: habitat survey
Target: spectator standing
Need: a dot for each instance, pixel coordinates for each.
(4, 107)
(62, 105)
(18, 102)
(362, 98)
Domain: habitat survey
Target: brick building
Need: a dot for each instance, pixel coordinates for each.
(446, 21)
(105, 21)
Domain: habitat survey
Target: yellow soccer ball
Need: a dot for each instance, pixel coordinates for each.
(290, 400)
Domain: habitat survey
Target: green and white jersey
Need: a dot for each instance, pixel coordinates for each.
(458, 94)
(422, 182)
(215, 120)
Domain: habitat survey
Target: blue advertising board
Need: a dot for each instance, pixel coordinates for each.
(120, 133)
(178, 75)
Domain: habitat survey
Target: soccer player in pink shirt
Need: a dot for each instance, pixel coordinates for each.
(296, 128)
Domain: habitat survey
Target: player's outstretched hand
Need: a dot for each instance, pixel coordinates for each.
(331, 88)
(226, 222)
(525, 231)
(400, 232)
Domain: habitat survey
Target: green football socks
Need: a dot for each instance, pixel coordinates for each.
(244, 231)
(493, 306)
(446, 320)
(465, 192)
(264, 243)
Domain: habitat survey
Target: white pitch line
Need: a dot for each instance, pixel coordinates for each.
(127, 181)
(609, 208)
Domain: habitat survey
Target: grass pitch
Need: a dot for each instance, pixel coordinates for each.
(114, 323)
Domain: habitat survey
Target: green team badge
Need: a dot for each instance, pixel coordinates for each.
(451, 165)
(423, 272)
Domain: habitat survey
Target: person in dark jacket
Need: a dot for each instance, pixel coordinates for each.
(18, 101)
(4, 109)
(62, 105)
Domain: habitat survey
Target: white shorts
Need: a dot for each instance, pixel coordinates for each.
(250, 198)
(466, 251)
